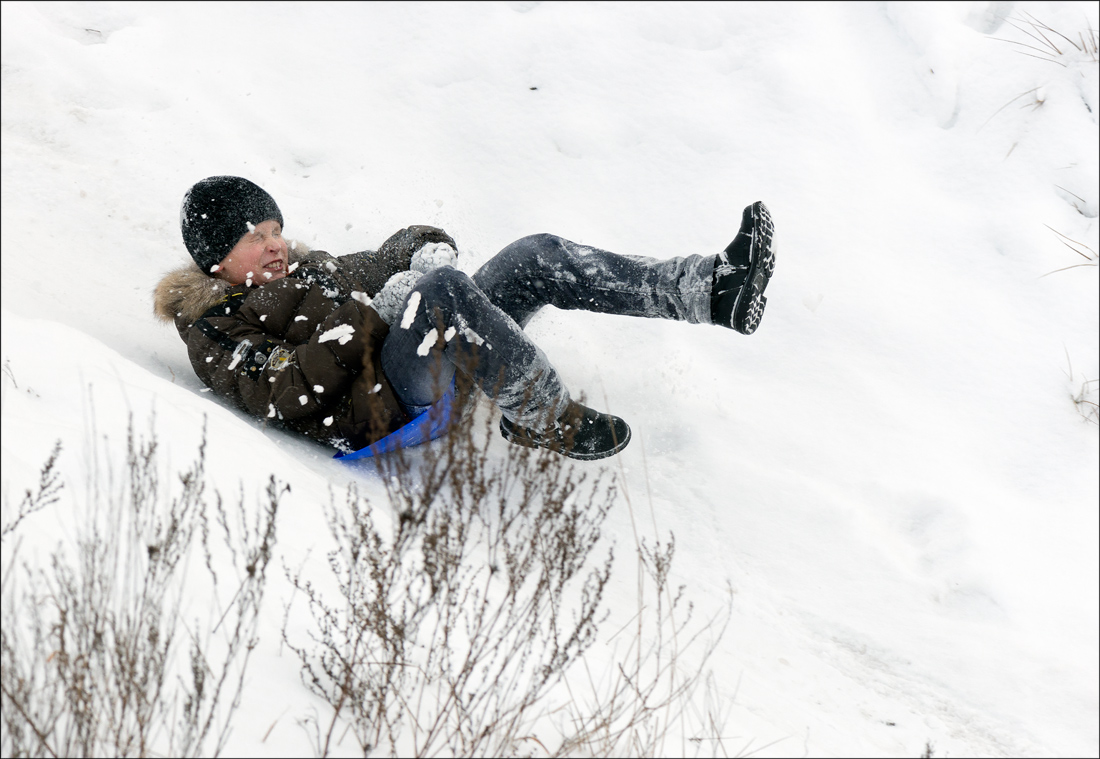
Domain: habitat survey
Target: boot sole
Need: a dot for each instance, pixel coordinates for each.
(527, 442)
(748, 310)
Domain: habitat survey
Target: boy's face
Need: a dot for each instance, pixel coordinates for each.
(259, 257)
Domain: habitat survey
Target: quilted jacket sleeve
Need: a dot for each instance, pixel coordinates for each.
(368, 271)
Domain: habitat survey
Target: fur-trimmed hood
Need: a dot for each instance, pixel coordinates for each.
(185, 294)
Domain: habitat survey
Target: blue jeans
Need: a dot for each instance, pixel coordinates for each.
(489, 310)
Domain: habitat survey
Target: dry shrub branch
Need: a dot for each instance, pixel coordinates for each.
(455, 624)
(98, 659)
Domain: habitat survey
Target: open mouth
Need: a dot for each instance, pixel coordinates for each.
(274, 268)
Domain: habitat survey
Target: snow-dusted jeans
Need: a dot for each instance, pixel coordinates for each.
(491, 308)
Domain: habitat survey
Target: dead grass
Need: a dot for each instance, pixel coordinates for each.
(97, 657)
(1048, 44)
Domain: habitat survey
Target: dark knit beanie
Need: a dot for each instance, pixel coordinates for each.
(217, 211)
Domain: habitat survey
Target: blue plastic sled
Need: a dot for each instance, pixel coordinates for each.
(428, 426)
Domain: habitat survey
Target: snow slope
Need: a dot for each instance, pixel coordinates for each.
(892, 472)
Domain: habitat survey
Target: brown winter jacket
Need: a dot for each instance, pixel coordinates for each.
(304, 351)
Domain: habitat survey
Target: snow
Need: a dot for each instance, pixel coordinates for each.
(238, 354)
(428, 342)
(474, 337)
(892, 472)
(410, 310)
(432, 256)
(341, 333)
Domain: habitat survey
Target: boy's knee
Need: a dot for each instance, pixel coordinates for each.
(444, 276)
(538, 243)
(530, 250)
(445, 282)
(541, 240)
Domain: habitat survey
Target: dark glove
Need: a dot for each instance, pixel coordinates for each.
(370, 270)
(402, 244)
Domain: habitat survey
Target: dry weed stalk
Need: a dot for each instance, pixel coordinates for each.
(91, 661)
(449, 631)
(649, 695)
(1048, 44)
(1084, 251)
(452, 631)
(48, 492)
(1087, 407)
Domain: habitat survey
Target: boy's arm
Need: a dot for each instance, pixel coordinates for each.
(370, 270)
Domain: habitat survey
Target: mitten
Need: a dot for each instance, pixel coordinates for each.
(432, 256)
(389, 300)
(405, 242)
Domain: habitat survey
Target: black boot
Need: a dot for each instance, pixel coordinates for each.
(580, 433)
(742, 271)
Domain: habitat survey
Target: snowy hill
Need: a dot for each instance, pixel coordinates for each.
(892, 473)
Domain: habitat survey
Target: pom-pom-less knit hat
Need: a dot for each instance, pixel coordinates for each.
(217, 211)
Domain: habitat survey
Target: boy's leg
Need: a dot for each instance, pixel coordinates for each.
(544, 269)
(446, 321)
